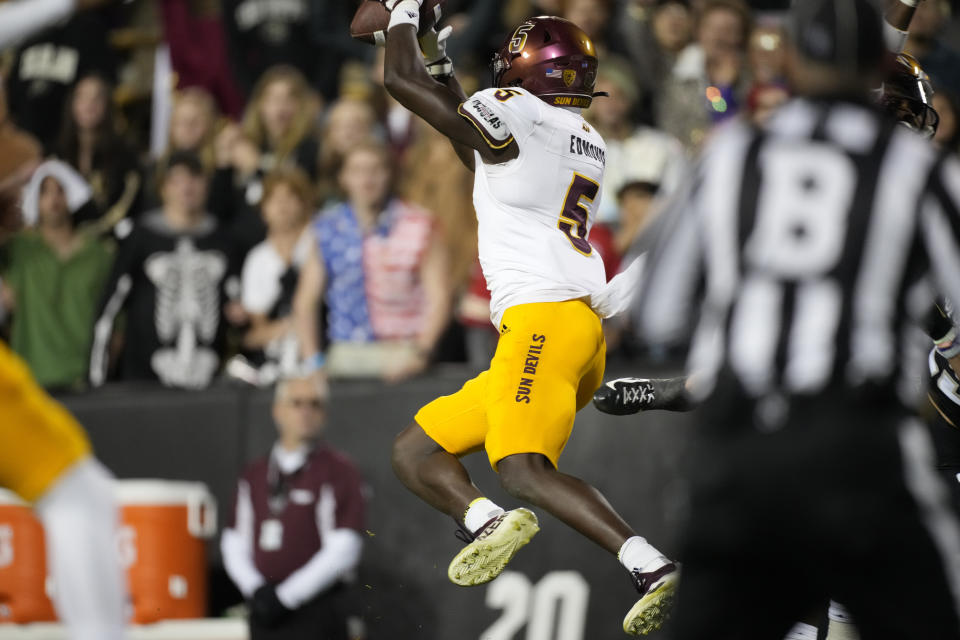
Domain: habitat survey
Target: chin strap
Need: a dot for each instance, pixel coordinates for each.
(601, 94)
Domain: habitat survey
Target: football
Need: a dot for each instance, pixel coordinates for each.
(370, 22)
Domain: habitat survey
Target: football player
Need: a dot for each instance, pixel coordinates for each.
(539, 166)
(45, 458)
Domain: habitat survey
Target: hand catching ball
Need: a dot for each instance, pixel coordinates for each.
(371, 20)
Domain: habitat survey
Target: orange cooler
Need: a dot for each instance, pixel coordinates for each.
(23, 564)
(163, 536)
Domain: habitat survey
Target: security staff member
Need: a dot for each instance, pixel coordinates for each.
(295, 536)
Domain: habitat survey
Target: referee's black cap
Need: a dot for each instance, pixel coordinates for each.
(845, 34)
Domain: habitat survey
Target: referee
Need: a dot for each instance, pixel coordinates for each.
(806, 251)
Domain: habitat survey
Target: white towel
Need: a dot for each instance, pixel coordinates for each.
(75, 188)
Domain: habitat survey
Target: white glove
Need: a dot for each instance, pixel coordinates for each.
(390, 4)
(434, 44)
(616, 296)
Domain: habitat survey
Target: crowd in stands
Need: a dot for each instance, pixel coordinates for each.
(221, 187)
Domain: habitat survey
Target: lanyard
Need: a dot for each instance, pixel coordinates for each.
(279, 484)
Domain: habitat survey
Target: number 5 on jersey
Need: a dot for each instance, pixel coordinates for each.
(573, 218)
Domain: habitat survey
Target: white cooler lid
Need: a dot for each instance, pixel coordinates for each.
(160, 492)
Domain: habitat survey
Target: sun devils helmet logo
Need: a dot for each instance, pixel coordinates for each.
(519, 39)
(550, 57)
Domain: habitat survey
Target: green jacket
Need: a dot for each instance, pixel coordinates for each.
(55, 303)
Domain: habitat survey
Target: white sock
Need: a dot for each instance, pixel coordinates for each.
(479, 512)
(79, 517)
(637, 553)
(841, 625)
(802, 631)
(838, 613)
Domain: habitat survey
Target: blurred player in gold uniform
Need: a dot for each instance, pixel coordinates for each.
(46, 459)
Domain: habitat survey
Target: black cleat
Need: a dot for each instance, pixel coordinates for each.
(626, 396)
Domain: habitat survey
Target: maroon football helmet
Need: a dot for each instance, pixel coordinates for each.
(550, 57)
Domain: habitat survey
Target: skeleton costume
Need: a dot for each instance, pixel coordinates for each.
(172, 285)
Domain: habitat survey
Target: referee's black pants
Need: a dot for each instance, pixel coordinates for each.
(323, 618)
(946, 441)
(836, 502)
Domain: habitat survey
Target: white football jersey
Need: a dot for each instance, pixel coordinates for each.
(535, 212)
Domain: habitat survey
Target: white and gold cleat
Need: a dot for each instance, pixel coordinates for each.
(487, 555)
(657, 589)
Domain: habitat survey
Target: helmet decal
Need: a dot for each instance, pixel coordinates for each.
(519, 39)
(569, 75)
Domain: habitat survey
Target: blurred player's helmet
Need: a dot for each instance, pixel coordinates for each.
(550, 57)
(906, 94)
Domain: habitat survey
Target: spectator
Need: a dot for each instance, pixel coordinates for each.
(653, 37)
(767, 55)
(295, 534)
(948, 133)
(193, 128)
(262, 34)
(271, 270)
(46, 67)
(925, 43)
(280, 120)
(278, 130)
(708, 81)
(634, 153)
(309, 35)
(198, 51)
(435, 179)
(52, 278)
(170, 276)
(400, 128)
(382, 274)
(636, 206)
(349, 122)
(593, 16)
(90, 143)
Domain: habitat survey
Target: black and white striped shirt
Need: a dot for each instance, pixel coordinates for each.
(804, 250)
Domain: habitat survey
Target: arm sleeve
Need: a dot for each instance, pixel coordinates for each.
(236, 545)
(502, 115)
(22, 19)
(340, 521)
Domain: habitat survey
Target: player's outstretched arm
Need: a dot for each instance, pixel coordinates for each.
(407, 80)
(440, 67)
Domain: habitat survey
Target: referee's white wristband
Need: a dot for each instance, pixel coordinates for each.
(405, 12)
